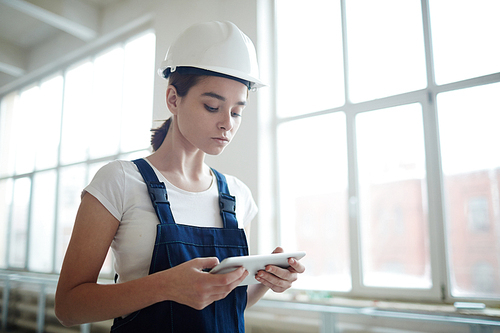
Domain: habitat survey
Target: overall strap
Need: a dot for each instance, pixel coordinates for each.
(157, 192)
(227, 203)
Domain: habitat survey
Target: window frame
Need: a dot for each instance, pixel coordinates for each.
(88, 55)
(440, 291)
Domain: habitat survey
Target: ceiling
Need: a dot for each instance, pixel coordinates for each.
(26, 25)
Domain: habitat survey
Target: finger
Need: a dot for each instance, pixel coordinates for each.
(230, 278)
(279, 272)
(279, 249)
(206, 263)
(273, 282)
(237, 282)
(296, 266)
(282, 273)
(221, 291)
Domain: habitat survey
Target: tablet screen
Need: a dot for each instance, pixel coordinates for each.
(255, 263)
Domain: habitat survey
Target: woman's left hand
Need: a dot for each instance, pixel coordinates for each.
(280, 279)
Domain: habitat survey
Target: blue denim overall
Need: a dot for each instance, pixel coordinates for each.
(177, 243)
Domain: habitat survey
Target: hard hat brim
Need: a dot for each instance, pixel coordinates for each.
(250, 82)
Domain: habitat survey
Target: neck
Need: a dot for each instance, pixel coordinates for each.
(183, 165)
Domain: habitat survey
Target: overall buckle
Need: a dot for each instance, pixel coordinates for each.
(158, 193)
(227, 203)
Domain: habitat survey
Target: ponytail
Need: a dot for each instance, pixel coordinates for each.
(159, 134)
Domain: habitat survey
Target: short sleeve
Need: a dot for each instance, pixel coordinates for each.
(246, 208)
(108, 186)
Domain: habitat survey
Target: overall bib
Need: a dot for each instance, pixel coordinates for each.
(177, 243)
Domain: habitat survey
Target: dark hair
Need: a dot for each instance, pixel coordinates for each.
(182, 84)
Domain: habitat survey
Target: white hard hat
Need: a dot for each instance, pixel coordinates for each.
(214, 48)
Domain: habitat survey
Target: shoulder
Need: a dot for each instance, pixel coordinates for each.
(112, 185)
(113, 176)
(246, 208)
(115, 170)
(116, 166)
(236, 186)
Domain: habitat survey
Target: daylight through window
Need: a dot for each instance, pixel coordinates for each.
(387, 163)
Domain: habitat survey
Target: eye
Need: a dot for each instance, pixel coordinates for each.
(234, 114)
(211, 109)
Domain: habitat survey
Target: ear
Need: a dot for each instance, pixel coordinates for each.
(173, 99)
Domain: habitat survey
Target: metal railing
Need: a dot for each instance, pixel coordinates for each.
(43, 285)
(329, 314)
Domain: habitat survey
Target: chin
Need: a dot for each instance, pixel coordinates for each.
(215, 152)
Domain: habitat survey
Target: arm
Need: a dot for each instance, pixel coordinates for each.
(80, 299)
(274, 278)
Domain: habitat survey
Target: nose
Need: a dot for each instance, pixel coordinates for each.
(226, 121)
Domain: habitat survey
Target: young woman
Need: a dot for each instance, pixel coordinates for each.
(169, 217)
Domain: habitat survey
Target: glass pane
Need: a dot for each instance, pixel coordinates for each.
(42, 222)
(5, 204)
(48, 118)
(71, 183)
(386, 48)
(19, 226)
(105, 115)
(7, 145)
(313, 198)
(310, 60)
(469, 136)
(393, 198)
(77, 103)
(137, 103)
(465, 38)
(24, 123)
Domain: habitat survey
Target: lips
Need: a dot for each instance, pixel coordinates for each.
(222, 140)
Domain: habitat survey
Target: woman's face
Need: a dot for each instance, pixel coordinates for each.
(209, 115)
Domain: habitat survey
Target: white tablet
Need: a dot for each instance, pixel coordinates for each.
(255, 263)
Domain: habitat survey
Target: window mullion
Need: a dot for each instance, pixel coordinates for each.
(58, 177)
(345, 50)
(439, 266)
(9, 226)
(437, 234)
(353, 207)
(29, 224)
(429, 59)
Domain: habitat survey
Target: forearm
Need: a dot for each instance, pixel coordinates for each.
(186, 284)
(254, 293)
(91, 302)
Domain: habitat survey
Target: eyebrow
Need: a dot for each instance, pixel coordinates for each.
(221, 98)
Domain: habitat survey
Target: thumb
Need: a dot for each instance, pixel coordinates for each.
(278, 250)
(207, 263)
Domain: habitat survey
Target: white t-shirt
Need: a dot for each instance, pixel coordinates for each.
(121, 189)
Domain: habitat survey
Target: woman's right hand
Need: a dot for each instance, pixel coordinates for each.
(190, 284)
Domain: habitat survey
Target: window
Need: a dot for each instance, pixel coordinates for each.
(55, 134)
(392, 193)
(478, 214)
(462, 38)
(471, 172)
(312, 58)
(386, 145)
(384, 60)
(313, 188)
